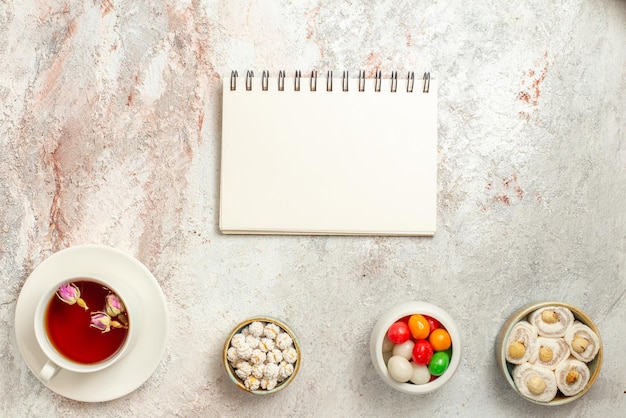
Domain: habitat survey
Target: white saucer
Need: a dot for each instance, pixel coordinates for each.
(109, 264)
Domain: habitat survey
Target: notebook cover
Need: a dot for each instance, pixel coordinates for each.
(328, 162)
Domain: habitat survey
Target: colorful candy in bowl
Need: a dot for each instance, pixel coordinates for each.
(415, 347)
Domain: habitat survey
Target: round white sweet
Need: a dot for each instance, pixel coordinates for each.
(252, 383)
(268, 384)
(399, 369)
(266, 344)
(252, 341)
(237, 340)
(243, 369)
(387, 344)
(257, 357)
(290, 355)
(258, 370)
(231, 354)
(271, 331)
(420, 375)
(283, 340)
(271, 371)
(256, 329)
(284, 371)
(244, 350)
(405, 349)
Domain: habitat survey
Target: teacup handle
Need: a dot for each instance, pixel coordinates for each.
(48, 371)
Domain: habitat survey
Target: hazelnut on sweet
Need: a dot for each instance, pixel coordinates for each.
(517, 350)
(536, 385)
(545, 354)
(580, 344)
(572, 377)
(549, 317)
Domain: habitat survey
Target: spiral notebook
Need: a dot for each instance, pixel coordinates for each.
(329, 155)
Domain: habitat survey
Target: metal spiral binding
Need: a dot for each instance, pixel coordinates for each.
(281, 81)
(361, 80)
(394, 81)
(249, 76)
(296, 81)
(426, 79)
(313, 81)
(233, 80)
(410, 81)
(265, 80)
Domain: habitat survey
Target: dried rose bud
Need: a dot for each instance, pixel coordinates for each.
(101, 321)
(104, 323)
(114, 305)
(70, 294)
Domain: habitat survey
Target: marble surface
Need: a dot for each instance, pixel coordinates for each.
(110, 134)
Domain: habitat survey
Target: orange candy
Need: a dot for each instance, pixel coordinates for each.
(440, 339)
(419, 327)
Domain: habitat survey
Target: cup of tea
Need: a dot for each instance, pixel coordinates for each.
(85, 325)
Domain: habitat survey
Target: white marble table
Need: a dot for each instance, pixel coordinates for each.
(110, 134)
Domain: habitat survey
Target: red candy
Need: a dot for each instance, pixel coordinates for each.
(422, 352)
(434, 324)
(398, 332)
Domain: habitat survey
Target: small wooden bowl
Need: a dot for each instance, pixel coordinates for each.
(507, 368)
(230, 370)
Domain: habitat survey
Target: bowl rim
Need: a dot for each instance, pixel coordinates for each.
(521, 314)
(400, 311)
(230, 371)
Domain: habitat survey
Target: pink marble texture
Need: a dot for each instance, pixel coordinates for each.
(110, 134)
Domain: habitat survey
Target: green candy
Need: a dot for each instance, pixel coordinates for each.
(439, 363)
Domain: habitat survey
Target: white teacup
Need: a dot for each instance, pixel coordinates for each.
(56, 359)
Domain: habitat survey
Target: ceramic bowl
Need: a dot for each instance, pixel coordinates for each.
(230, 369)
(380, 332)
(507, 368)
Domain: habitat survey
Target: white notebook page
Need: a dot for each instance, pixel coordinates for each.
(303, 162)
